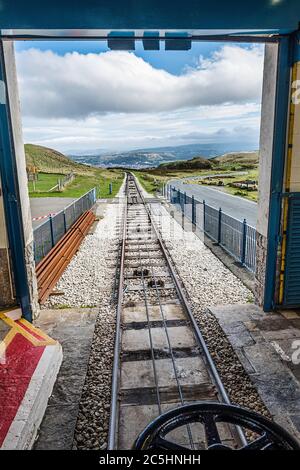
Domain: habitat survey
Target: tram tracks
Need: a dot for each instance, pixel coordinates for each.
(160, 360)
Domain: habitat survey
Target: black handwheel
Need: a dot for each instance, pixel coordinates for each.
(209, 414)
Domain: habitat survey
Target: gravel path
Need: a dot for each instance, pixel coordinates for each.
(207, 283)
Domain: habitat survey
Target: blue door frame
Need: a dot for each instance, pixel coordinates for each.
(11, 198)
(285, 53)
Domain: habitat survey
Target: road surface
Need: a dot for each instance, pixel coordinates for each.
(235, 206)
(41, 206)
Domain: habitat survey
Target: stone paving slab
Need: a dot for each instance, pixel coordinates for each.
(138, 340)
(74, 329)
(190, 371)
(137, 313)
(266, 344)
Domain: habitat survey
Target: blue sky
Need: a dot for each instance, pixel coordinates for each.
(172, 61)
(80, 96)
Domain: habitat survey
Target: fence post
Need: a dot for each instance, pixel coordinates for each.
(193, 211)
(203, 215)
(178, 196)
(219, 226)
(65, 222)
(244, 240)
(110, 188)
(51, 230)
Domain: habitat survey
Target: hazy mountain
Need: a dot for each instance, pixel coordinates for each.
(152, 157)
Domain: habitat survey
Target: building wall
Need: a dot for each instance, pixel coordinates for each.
(293, 181)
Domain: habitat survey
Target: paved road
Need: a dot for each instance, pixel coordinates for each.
(44, 205)
(235, 206)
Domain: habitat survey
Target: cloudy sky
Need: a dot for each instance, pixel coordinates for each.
(79, 96)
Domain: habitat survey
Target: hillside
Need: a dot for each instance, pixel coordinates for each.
(47, 160)
(151, 157)
(52, 165)
(197, 163)
(246, 158)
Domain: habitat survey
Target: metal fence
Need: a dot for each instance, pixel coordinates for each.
(52, 230)
(234, 236)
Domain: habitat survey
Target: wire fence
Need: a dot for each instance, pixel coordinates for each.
(53, 229)
(236, 237)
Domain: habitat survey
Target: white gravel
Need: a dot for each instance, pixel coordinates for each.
(92, 269)
(206, 278)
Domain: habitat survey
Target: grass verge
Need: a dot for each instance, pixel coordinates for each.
(81, 184)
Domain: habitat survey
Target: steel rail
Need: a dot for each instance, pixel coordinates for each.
(208, 358)
(150, 336)
(170, 348)
(116, 362)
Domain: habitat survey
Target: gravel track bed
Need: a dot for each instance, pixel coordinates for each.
(93, 417)
(207, 283)
(165, 294)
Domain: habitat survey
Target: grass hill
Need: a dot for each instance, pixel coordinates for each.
(244, 158)
(47, 160)
(52, 165)
(196, 163)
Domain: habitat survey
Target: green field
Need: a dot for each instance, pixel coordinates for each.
(80, 185)
(52, 165)
(44, 183)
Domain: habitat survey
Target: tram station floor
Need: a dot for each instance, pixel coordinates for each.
(74, 329)
(268, 346)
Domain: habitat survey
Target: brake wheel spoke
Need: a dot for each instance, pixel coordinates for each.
(211, 431)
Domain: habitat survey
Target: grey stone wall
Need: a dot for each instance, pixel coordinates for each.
(6, 283)
(261, 257)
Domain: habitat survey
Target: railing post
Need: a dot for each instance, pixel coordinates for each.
(193, 211)
(219, 225)
(51, 230)
(244, 241)
(204, 216)
(178, 196)
(65, 222)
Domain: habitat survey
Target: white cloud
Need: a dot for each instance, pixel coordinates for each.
(78, 86)
(116, 101)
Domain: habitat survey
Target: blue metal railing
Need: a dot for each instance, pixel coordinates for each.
(53, 229)
(236, 237)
